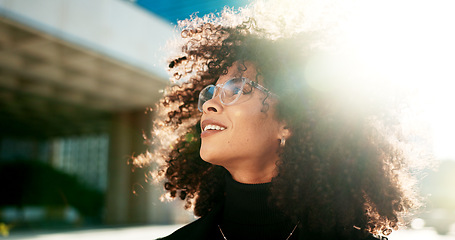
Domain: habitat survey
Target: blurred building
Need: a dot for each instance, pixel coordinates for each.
(76, 77)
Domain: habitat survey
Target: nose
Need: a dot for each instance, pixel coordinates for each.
(213, 105)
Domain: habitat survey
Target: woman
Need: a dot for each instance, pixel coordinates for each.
(259, 153)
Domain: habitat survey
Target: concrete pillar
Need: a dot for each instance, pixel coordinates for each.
(130, 199)
(140, 190)
(117, 192)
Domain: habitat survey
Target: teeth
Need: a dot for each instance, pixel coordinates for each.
(213, 127)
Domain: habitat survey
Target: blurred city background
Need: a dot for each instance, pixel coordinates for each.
(76, 78)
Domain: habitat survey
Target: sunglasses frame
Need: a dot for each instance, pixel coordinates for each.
(222, 85)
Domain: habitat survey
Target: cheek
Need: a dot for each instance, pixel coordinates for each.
(254, 125)
(246, 118)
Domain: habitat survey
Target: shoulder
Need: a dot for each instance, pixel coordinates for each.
(202, 228)
(354, 235)
(190, 231)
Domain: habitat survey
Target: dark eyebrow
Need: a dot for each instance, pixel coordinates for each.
(239, 74)
(242, 66)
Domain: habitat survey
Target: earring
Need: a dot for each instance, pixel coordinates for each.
(282, 142)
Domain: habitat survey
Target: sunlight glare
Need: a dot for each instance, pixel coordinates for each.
(411, 44)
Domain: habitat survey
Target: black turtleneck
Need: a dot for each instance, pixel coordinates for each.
(248, 213)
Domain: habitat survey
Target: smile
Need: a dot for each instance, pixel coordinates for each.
(213, 127)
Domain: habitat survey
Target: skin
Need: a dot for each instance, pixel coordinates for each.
(248, 146)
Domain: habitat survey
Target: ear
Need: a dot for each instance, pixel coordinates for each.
(284, 131)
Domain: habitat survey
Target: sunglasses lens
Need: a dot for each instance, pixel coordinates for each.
(205, 95)
(230, 92)
(232, 89)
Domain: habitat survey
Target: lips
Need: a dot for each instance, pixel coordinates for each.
(210, 127)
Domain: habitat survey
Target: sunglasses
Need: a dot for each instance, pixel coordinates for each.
(229, 92)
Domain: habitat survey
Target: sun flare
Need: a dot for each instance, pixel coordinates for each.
(410, 43)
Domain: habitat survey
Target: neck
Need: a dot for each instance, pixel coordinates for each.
(249, 203)
(249, 213)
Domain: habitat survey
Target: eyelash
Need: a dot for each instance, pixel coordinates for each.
(245, 91)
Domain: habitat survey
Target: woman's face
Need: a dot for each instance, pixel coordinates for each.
(248, 138)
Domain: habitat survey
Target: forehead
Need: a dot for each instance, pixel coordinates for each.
(247, 70)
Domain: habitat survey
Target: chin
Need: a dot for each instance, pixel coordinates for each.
(209, 152)
(210, 157)
(206, 156)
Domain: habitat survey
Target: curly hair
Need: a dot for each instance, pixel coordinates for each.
(339, 169)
